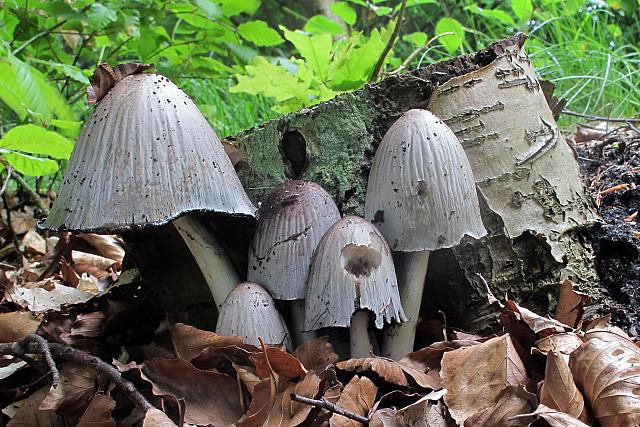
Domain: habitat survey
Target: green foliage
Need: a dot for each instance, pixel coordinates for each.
(18, 145)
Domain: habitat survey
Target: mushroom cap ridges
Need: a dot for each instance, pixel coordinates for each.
(351, 270)
(145, 156)
(421, 192)
(291, 222)
(250, 313)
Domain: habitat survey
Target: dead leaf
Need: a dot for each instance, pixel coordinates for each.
(247, 375)
(426, 412)
(589, 133)
(597, 323)
(157, 418)
(16, 325)
(358, 398)
(33, 243)
(387, 369)
(23, 221)
(565, 343)
(77, 386)
(237, 155)
(98, 413)
(262, 401)
(513, 400)
(553, 418)
(108, 246)
(609, 375)
(280, 362)
(39, 299)
(559, 391)
(570, 305)
(189, 341)
(541, 326)
(105, 77)
(611, 334)
(98, 261)
(210, 397)
(475, 376)
(288, 413)
(316, 354)
(28, 413)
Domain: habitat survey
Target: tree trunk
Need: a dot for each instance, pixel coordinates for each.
(532, 199)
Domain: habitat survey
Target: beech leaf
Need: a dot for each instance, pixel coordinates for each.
(358, 398)
(513, 400)
(559, 391)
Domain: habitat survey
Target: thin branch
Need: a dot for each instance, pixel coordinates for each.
(34, 344)
(324, 404)
(599, 118)
(390, 43)
(37, 36)
(35, 197)
(14, 237)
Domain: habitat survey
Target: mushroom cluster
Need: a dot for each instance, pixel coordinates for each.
(148, 157)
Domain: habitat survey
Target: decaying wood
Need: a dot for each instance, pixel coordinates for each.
(534, 231)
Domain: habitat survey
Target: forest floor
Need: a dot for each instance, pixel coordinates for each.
(609, 157)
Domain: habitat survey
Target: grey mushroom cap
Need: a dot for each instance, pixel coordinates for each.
(352, 270)
(291, 222)
(144, 157)
(250, 313)
(421, 192)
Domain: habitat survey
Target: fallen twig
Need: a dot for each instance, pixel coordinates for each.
(324, 404)
(35, 344)
(599, 118)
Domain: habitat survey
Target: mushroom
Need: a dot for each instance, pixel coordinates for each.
(422, 196)
(352, 271)
(249, 312)
(291, 222)
(145, 157)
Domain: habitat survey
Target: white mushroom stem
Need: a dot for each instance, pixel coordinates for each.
(359, 335)
(211, 257)
(398, 339)
(300, 336)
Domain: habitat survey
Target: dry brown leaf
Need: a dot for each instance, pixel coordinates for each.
(553, 418)
(541, 326)
(210, 397)
(47, 295)
(262, 401)
(77, 386)
(108, 246)
(475, 376)
(611, 334)
(189, 341)
(559, 391)
(16, 325)
(105, 77)
(358, 398)
(280, 362)
(387, 369)
(513, 400)
(589, 133)
(565, 343)
(597, 323)
(247, 375)
(608, 373)
(103, 263)
(237, 155)
(426, 412)
(23, 221)
(316, 354)
(33, 243)
(28, 413)
(287, 413)
(157, 418)
(570, 305)
(98, 413)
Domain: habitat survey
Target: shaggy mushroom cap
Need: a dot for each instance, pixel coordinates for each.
(250, 313)
(421, 192)
(291, 222)
(352, 270)
(145, 156)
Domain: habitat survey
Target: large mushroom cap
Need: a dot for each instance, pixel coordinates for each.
(250, 312)
(351, 270)
(146, 156)
(421, 192)
(291, 222)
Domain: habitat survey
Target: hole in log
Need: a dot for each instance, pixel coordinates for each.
(294, 152)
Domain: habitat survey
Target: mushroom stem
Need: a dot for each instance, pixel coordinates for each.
(300, 336)
(398, 339)
(359, 335)
(210, 256)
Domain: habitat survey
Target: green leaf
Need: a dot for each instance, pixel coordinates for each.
(100, 16)
(614, 30)
(315, 49)
(29, 165)
(418, 39)
(34, 139)
(270, 80)
(353, 64)
(259, 33)
(320, 24)
(210, 9)
(32, 90)
(523, 9)
(383, 10)
(345, 12)
(498, 15)
(236, 7)
(451, 42)
(411, 3)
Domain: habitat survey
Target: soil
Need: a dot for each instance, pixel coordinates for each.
(611, 160)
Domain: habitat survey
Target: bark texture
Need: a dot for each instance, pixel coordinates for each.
(534, 229)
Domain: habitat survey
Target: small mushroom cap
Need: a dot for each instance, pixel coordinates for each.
(421, 192)
(250, 313)
(145, 156)
(352, 270)
(291, 222)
